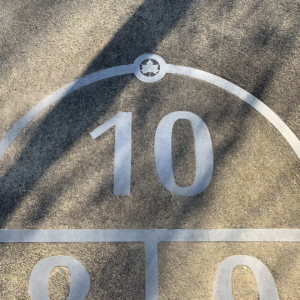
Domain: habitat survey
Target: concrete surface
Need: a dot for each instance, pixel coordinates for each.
(55, 176)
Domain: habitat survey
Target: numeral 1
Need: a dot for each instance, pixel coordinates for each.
(122, 168)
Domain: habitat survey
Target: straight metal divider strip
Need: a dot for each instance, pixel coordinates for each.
(151, 238)
(148, 235)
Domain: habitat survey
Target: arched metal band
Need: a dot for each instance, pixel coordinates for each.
(57, 95)
(129, 69)
(243, 95)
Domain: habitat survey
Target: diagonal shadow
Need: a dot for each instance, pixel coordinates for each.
(141, 34)
(137, 36)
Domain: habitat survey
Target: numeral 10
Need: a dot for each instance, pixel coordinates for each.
(162, 150)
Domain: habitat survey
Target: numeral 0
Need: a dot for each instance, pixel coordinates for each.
(163, 152)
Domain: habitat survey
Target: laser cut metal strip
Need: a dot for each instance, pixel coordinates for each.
(151, 238)
(135, 69)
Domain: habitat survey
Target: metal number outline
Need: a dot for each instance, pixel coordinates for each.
(153, 236)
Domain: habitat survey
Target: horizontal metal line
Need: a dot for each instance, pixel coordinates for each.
(149, 235)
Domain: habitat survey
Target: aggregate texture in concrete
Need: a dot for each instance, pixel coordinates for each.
(55, 176)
